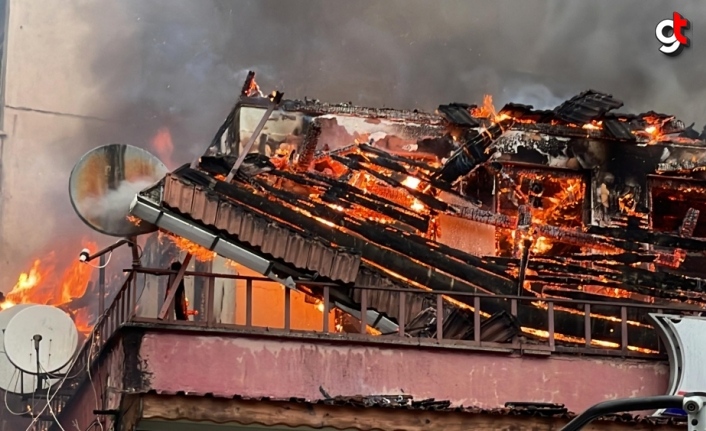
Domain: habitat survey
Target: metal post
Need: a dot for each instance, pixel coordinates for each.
(248, 302)
(403, 311)
(210, 299)
(363, 311)
(623, 329)
(439, 317)
(327, 308)
(287, 308)
(587, 324)
(476, 319)
(550, 310)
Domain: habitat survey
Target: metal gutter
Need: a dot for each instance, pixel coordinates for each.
(148, 211)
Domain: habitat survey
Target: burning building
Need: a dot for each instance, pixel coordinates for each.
(417, 236)
(574, 203)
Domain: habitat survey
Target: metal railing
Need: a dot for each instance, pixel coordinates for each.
(613, 328)
(129, 306)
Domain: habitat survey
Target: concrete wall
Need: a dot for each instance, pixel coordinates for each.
(284, 368)
(52, 97)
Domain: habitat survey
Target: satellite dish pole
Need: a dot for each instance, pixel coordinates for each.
(37, 338)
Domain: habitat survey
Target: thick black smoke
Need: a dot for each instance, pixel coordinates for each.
(183, 65)
(180, 63)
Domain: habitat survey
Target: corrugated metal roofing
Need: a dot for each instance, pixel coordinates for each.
(586, 107)
(458, 113)
(302, 251)
(618, 129)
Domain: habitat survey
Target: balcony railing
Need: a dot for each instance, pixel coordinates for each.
(141, 298)
(625, 324)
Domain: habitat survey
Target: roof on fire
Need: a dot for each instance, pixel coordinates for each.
(362, 215)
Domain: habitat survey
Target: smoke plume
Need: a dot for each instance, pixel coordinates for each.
(179, 64)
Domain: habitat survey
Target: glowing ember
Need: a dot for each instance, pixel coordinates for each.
(593, 126)
(134, 220)
(411, 182)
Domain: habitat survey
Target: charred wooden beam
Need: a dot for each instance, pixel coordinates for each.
(524, 261)
(581, 239)
(377, 203)
(653, 238)
(473, 152)
(405, 243)
(660, 280)
(441, 248)
(628, 258)
(250, 87)
(612, 276)
(686, 230)
(306, 156)
(427, 200)
(353, 195)
(688, 226)
(392, 157)
(633, 314)
(395, 163)
(487, 217)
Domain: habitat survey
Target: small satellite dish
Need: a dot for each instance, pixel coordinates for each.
(10, 377)
(57, 346)
(104, 182)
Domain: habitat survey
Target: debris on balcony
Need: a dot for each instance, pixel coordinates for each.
(580, 202)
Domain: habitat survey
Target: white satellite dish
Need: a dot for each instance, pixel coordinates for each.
(57, 334)
(11, 378)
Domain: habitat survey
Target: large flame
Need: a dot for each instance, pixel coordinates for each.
(44, 284)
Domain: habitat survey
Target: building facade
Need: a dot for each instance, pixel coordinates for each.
(273, 344)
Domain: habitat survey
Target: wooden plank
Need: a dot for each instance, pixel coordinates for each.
(160, 408)
(171, 293)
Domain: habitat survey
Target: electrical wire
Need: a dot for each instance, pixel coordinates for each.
(104, 265)
(90, 378)
(60, 376)
(140, 251)
(7, 406)
(51, 398)
(51, 409)
(139, 247)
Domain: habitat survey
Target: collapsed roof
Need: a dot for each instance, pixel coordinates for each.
(577, 202)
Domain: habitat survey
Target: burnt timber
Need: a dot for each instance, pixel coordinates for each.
(347, 194)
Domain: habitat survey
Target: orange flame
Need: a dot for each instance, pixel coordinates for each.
(198, 252)
(42, 284)
(163, 146)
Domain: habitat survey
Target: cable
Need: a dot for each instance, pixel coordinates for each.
(51, 398)
(51, 409)
(139, 247)
(6, 405)
(90, 379)
(101, 266)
